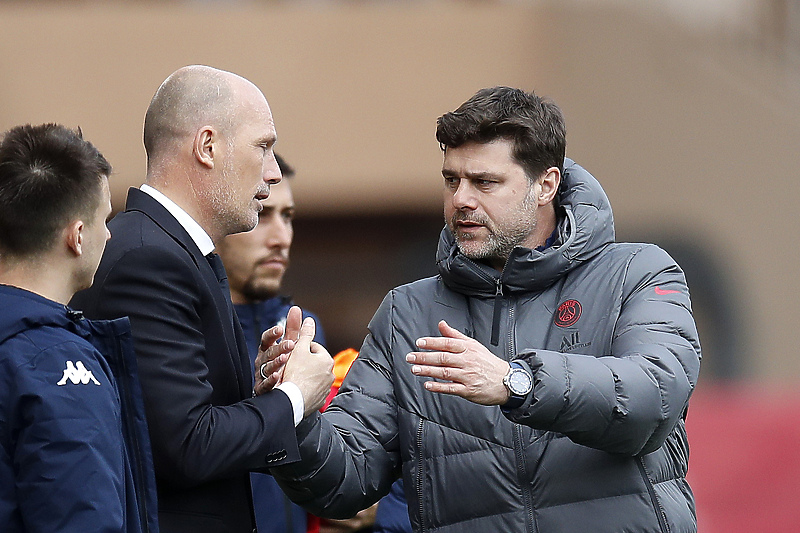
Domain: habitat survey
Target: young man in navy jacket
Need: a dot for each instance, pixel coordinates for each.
(74, 450)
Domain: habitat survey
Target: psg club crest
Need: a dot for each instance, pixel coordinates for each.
(568, 313)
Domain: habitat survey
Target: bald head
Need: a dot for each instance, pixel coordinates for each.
(189, 98)
(209, 136)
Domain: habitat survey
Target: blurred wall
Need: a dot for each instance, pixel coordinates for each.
(690, 132)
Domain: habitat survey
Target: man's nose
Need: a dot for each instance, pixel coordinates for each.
(271, 170)
(464, 196)
(280, 234)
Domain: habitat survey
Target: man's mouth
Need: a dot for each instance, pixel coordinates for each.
(274, 261)
(262, 194)
(468, 225)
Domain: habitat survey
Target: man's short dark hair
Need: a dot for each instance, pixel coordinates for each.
(49, 175)
(286, 170)
(535, 125)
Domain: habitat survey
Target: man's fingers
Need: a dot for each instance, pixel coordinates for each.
(442, 344)
(447, 373)
(273, 365)
(268, 384)
(273, 351)
(436, 359)
(294, 319)
(456, 389)
(271, 335)
(447, 331)
(318, 349)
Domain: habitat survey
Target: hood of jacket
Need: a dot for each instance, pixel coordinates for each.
(23, 310)
(585, 226)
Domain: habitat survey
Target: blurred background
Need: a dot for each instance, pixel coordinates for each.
(687, 111)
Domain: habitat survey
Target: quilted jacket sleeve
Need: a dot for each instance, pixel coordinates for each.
(630, 400)
(349, 453)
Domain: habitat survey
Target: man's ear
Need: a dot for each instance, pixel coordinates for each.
(548, 186)
(73, 236)
(203, 147)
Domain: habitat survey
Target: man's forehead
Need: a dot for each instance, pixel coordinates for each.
(476, 159)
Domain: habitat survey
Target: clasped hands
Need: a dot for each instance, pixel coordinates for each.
(468, 369)
(296, 358)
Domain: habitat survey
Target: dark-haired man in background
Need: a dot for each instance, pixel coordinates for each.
(74, 450)
(540, 381)
(256, 262)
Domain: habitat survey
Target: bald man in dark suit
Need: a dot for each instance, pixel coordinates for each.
(209, 138)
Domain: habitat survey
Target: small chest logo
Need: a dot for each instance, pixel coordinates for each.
(568, 313)
(572, 341)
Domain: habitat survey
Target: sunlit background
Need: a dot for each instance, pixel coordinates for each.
(687, 111)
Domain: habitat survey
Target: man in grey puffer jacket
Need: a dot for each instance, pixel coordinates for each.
(551, 367)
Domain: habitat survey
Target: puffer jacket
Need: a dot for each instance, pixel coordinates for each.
(74, 449)
(600, 445)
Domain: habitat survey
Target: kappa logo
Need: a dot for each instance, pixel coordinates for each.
(568, 313)
(77, 373)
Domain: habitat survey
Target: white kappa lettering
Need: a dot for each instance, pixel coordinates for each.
(77, 373)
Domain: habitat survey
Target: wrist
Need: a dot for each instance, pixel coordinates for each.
(518, 382)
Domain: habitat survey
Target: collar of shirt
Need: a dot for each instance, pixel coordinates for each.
(197, 233)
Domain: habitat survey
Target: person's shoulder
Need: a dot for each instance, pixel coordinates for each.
(419, 295)
(40, 346)
(639, 252)
(133, 229)
(420, 286)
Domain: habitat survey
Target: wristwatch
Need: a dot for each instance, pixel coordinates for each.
(519, 383)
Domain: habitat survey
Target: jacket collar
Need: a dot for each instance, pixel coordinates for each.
(23, 310)
(586, 227)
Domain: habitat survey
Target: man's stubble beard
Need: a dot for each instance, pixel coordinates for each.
(256, 288)
(226, 211)
(499, 243)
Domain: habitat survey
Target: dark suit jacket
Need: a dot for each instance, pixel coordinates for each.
(206, 431)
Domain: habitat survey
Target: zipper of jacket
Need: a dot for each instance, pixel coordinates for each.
(125, 400)
(420, 476)
(498, 299)
(498, 307)
(662, 519)
(518, 437)
(527, 500)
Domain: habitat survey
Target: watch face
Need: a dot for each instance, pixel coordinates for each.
(519, 382)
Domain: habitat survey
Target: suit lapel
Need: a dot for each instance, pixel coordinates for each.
(147, 205)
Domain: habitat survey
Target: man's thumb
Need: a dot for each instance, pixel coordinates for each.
(308, 329)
